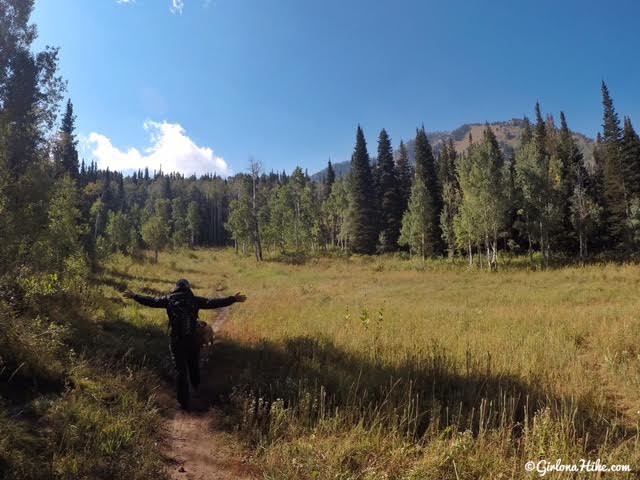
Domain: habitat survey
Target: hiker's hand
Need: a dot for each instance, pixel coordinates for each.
(128, 294)
(240, 297)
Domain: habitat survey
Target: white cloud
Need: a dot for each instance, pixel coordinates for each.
(170, 148)
(177, 6)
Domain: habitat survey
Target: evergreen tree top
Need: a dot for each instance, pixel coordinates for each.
(331, 174)
(425, 162)
(628, 130)
(563, 123)
(540, 130)
(68, 120)
(610, 122)
(360, 154)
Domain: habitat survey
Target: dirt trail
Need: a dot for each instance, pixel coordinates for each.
(197, 449)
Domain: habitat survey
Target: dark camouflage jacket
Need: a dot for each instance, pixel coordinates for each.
(182, 308)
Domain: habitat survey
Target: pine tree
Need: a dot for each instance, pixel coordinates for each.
(390, 203)
(363, 221)
(403, 170)
(569, 159)
(451, 196)
(540, 132)
(630, 157)
(330, 179)
(426, 171)
(630, 152)
(65, 152)
(615, 195)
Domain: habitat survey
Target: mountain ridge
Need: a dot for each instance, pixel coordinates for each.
(507, 132)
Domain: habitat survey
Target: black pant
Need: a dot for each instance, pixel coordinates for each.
(186, 359)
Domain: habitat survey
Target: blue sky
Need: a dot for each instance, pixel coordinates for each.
(204, 84)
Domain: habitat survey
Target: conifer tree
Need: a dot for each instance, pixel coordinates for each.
(65, 152)
(630, 156)
(330, 179)
(615, 195)
(569, 162)
(363, 222)
(451, 196)
(403, 170)
(426, 171)
(540, 132)
(630, 152)
(390, 206)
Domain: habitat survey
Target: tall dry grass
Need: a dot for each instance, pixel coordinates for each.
(385, 368)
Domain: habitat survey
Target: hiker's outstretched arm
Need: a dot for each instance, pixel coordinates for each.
(207, 303)
(154, 302)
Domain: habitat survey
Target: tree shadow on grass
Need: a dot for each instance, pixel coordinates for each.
(127, 276)
(313, 377)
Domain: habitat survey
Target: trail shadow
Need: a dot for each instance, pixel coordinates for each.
(118, 280)
(314, 377)
(188, 270)
(290, 258)
(118, 285)
(128, 276)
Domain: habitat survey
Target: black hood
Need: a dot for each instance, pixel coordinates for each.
(186, 291)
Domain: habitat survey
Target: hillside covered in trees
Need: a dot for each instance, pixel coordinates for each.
(533, 187)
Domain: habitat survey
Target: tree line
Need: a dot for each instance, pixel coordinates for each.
(58, 213)
(543, 199)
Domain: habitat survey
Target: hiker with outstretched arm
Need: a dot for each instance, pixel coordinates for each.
(182, 308)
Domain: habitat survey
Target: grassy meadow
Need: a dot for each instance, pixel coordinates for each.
(367, 368)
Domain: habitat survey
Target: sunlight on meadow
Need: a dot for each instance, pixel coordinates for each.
(383, 366)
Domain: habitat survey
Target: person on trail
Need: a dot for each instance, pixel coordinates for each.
(182, 308)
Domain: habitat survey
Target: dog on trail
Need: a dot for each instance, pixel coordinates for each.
(205, 340)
